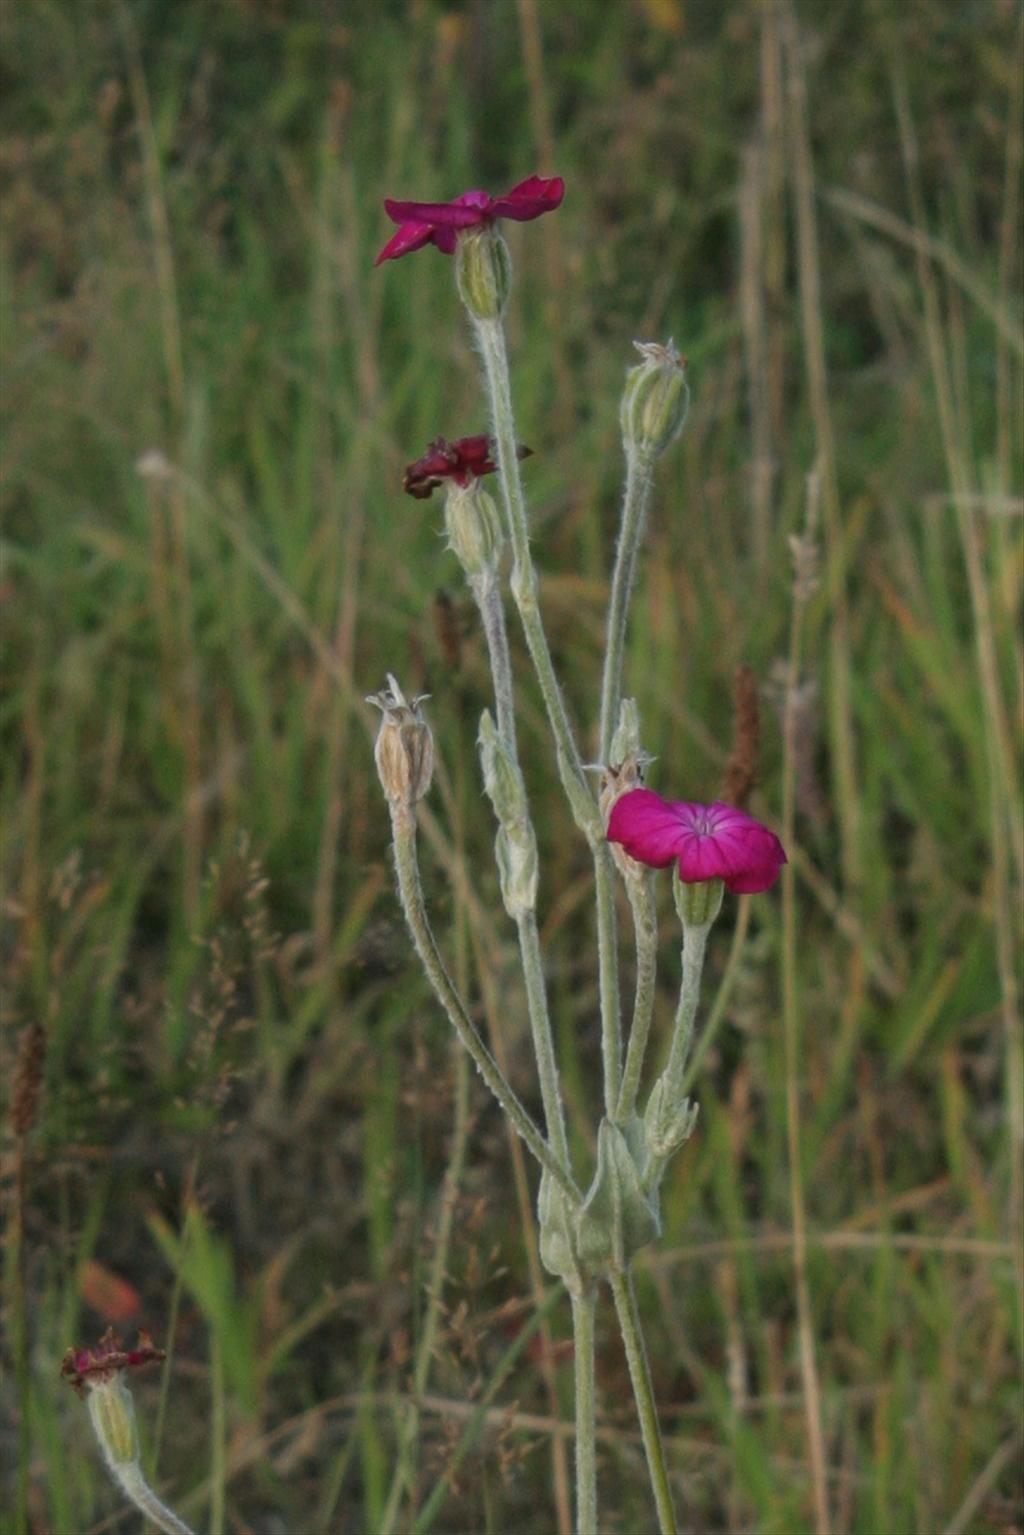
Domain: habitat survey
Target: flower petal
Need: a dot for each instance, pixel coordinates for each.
(710, 841)
(406, 238)
(530, 198)
(445, 238)
(729, 845)
(648, 827)
(461, 213)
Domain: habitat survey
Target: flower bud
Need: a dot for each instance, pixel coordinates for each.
(483, 270)
(618, 1217)
(655, 400)
(473, 524)
(699, 903)
(405, 748)
(516, 855)
(503, 781)
(668, 1121)
(515, 846)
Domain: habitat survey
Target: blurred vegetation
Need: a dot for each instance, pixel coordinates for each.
(208, 397)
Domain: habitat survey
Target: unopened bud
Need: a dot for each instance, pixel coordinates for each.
(655, 400)
(405, 747)
(668, 1121)
(483, 270)
(516, 855)
(698, 904)
(473, 524)
(515, 846)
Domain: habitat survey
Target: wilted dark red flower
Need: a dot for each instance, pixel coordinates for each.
(709, 841)
(461, 461)
(84, 1367)
(438, 224)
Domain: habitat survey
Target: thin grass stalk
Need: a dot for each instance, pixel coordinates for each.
(218, 1433)
(405, 1461)
(752, 314)
(174, 365)
(628, 1314)
(409, 1434)
(813, 330)
(1006, 818)
(791, 1037)
(338, 243)
(551, 229)
(172, 1315)
(478, 1413)
(19, 1335)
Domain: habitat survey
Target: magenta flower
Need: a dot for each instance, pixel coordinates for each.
(709, 841)
(461, 461)
(438, 224)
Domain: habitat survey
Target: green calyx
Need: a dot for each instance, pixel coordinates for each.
(473, 524)
(655, 400)
(697, 904)
(483, 271)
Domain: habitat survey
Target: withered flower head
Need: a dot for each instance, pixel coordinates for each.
(404, 751)
(90, 1367)
(461, 462)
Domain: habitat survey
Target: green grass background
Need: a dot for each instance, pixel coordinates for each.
(248, 1093)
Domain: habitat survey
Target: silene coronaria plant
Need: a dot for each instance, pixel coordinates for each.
(591, 1225)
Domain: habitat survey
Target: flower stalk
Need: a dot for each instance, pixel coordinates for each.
(403, 833)
(628, 1314)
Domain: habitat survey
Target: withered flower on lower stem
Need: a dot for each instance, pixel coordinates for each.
(85, 1367)
(462, 461)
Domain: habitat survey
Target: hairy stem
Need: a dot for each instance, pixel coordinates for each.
(645, 927)
(403, 828)
(643, 1392)
(136, 1488)
(694, 942)
(631, 531)
(583, 1312)
(657, 1164)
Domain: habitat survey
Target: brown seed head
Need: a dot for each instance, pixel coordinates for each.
(405, 747)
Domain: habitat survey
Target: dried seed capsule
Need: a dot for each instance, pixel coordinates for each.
(405, 747)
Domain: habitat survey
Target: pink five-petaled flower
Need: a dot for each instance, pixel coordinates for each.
(84, 1367)
(709, 841)
(461, 461)
(439, 224)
